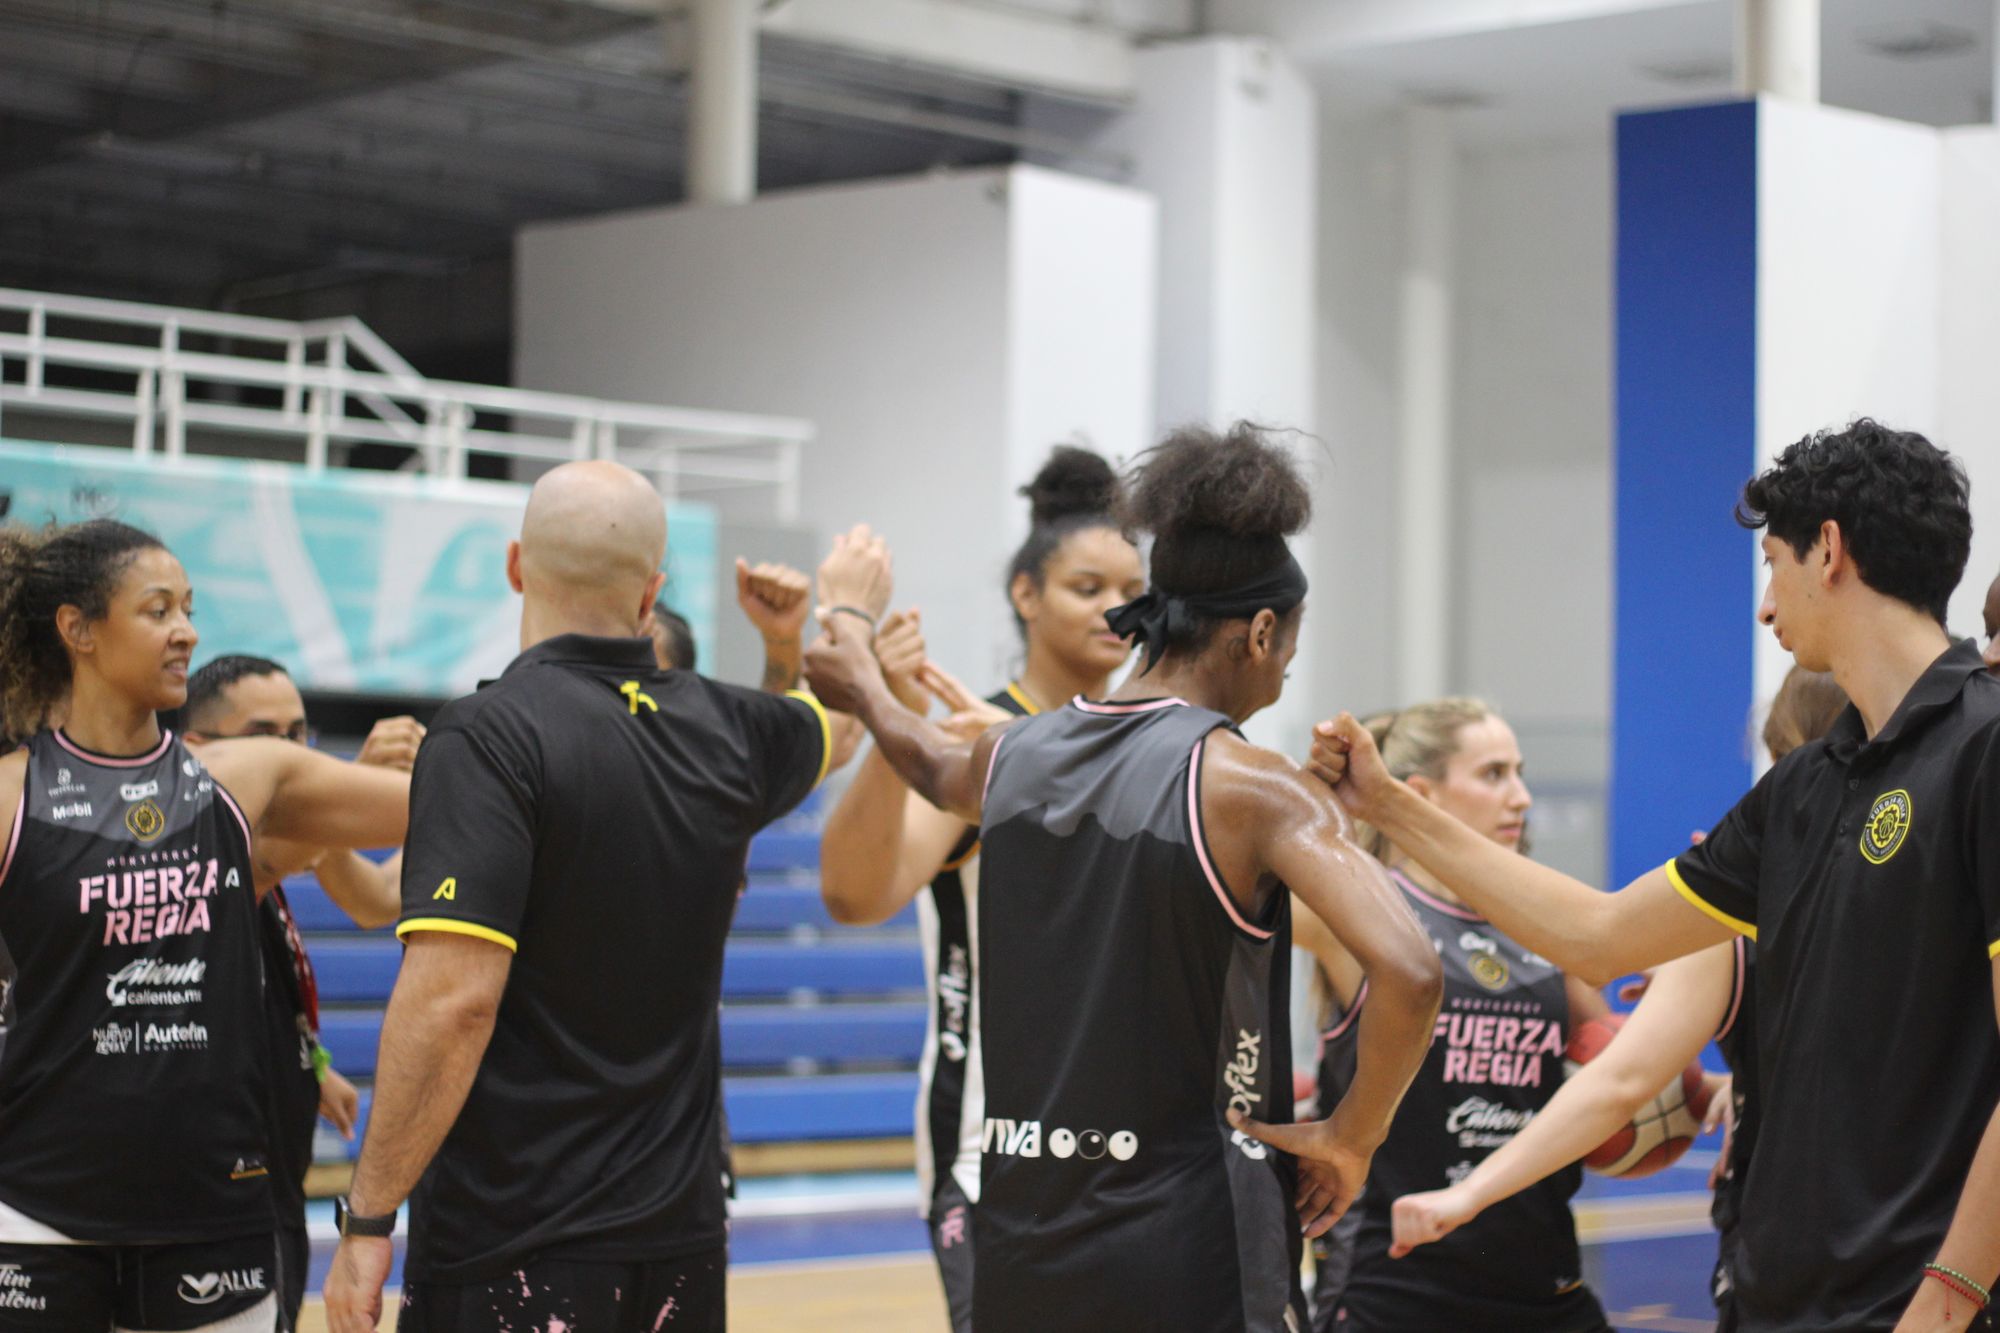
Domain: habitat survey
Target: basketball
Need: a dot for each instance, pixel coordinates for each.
(1661, 1129)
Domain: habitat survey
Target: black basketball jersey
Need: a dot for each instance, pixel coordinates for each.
(1737, 1040)
(291, 1013)
(133, 1102)
(1125, 1006)
(949, 1094)
(1495, 1060)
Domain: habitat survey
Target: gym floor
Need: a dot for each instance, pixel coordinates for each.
(1648, 1251)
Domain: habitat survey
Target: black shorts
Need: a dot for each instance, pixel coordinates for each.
(685, 1295)
(951, 1241)
(294, 1253)
(168, 1288)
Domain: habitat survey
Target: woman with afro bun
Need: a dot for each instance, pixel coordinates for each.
(884, 845)
(1134, 935)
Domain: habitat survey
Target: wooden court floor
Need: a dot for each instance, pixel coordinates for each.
(898, 1294)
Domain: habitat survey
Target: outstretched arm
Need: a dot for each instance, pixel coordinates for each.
(883, 842)
(1681, 1010)
(370, 893)
(289, 791)
(1598, 936)
(1267, 820)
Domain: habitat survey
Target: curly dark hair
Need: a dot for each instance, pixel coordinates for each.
(1901, 503)
(1076, 490)
(42, 570)
(1219, 507)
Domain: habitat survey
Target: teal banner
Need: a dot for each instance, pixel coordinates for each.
(368, 581)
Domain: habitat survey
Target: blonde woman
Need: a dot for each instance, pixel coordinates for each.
(1706, 995)
(1496, 1061)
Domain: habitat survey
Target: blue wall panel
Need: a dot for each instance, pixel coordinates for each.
(1686, 423)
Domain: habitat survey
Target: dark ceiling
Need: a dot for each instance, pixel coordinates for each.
(205, 151)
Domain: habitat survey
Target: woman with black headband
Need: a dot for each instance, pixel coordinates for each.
(885, 845)
(1134, 931)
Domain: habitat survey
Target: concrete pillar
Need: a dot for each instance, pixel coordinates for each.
(1424, 526)
(722, 101)
(1778, 48)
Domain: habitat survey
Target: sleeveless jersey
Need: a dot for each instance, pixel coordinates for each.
(1495, 1060)
(949, 1092)
(1125, 1006)
(134, 1098)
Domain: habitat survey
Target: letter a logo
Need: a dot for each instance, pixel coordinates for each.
(634, 696)
(447, 890)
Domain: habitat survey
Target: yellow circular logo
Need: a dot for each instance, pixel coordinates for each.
(1488, 971)
(145, 821)
(1888, 824)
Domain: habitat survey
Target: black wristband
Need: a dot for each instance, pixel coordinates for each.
(348, 1224)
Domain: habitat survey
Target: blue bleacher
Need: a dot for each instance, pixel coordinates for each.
(821, 1024)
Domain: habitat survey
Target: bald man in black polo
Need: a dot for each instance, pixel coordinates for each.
(549, 1078)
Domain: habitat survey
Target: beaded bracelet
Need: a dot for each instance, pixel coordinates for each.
(1953, 1280)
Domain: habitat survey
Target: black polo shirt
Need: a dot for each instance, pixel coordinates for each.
(1868, 872)
(592, 813)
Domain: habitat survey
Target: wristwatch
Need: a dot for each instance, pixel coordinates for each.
(352, 1224)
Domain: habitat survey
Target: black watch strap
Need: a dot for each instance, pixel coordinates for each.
(349, 1224)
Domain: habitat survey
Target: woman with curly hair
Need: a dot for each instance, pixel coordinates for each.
(884, 845)
(1134, 933)
(134, 1066)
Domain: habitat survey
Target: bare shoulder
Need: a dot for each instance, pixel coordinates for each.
(248, 767)
(13, 777)
(13, 780)
(1242, 780)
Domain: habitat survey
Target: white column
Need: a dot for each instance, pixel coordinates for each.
(1424, 527)
(722, 101)
(1778, 48)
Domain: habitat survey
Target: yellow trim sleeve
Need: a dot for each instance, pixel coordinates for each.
(451, 927)
(1993, 949)
(1020, 696)
(1704, 906)
(825, 730)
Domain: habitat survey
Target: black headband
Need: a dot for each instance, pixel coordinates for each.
(1157, 616)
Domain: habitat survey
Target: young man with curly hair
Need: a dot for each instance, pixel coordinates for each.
(1866, 865)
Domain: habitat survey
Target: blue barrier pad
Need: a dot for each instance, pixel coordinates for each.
(794, 1107)
(361, 969)
(774, 1035)
(824, 1106)
(781, 849)
(758, 1036)
(834, 968)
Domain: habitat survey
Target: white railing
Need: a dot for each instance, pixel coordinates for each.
(328, 384)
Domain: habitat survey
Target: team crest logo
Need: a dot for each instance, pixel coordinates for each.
(1888, 824)
(1489, 970)
(145, 821)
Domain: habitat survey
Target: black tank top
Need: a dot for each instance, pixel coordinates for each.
(1496, 1059)
(949, 1094)
(1125, 1005)
(133, 1105)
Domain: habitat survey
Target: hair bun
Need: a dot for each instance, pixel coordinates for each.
(1236, 484)
(1073, 481)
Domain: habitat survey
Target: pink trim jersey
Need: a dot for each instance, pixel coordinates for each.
(133, 1079)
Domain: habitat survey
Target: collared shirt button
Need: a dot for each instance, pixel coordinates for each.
(1853, 783)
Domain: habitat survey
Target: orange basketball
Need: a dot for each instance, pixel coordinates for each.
(1661, 1129)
